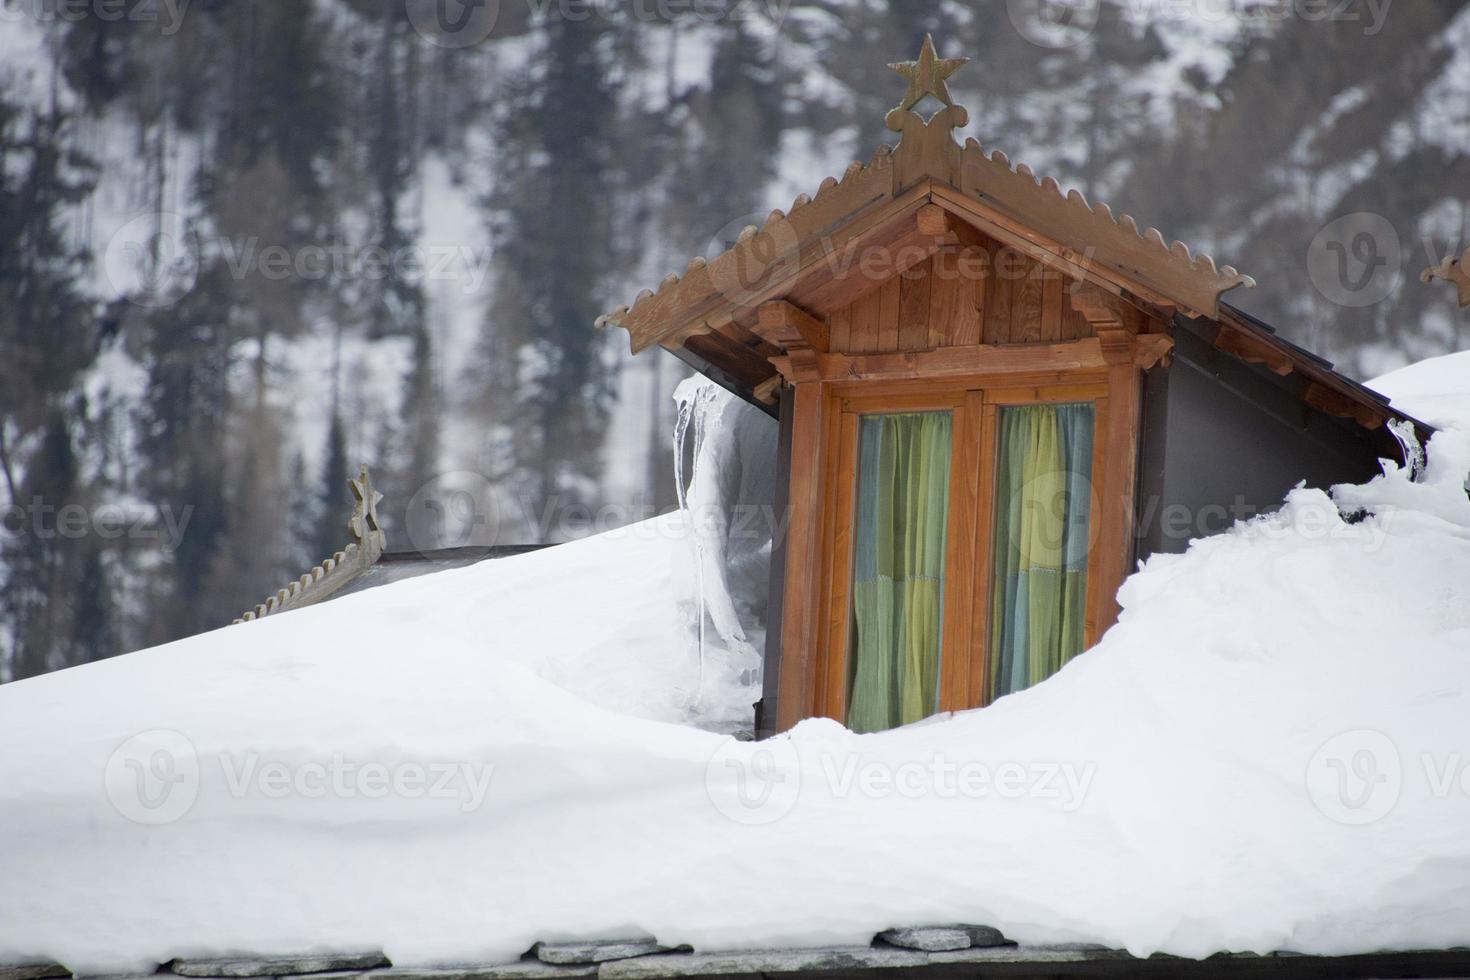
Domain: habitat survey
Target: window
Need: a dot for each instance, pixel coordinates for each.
(960, 545)
(1041, 535)
(898, 568)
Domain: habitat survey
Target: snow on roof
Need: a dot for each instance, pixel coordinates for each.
(1436, 390)
(1265, 753)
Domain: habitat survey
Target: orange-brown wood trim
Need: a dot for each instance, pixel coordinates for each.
(864, 266)
(833, 640)
(1114, 476)
(1152, 349)
(785, 324)
(798, 273)
(1334, 402)
(768, 391)
(832, 643)
(1106, 311)
(1100, 591)
(1253, 350)
(825, 271)
(1009, 231)
(815, 680)
(967, 470)
(933, 220)
(973, 360)
(804, 552)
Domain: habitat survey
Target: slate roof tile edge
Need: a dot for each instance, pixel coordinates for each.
(833, 961)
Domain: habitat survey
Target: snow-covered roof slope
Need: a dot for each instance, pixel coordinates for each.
(1267, 752)
(1436, 390)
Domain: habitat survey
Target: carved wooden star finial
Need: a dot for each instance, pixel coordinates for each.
(1452, 270)
(363, 524)
(926, 75)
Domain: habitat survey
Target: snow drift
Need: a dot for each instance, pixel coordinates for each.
(1271, 750)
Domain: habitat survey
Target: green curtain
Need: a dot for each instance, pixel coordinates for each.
(898, 568)
(1042, 513)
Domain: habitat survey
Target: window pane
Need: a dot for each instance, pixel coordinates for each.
(898, 568)
(1043, 508)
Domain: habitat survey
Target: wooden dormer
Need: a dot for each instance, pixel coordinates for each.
(957, 353)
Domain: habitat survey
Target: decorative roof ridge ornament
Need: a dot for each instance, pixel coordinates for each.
(1452, 269)
(368, 543)
(363, 525)
(927, 148)
(926, 75)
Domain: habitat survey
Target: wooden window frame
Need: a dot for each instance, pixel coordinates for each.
(813, 668)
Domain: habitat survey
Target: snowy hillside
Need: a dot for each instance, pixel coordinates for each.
(252, 222)
(1263, 754)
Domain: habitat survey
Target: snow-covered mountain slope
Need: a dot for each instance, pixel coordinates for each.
(1266, 752)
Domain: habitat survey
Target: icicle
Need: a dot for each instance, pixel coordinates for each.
(705, 501)
(1403, 431)
(681, 425)
(694, 399)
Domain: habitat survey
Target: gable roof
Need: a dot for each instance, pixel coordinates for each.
(805, 255)
(982, 189)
